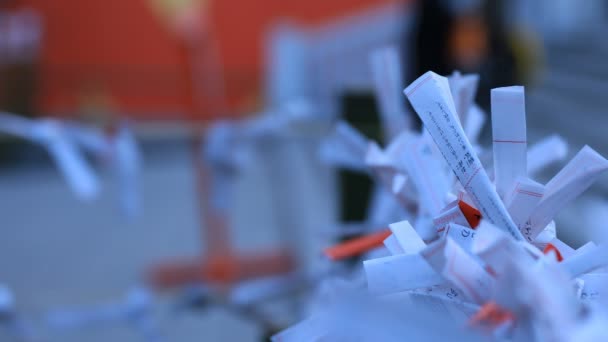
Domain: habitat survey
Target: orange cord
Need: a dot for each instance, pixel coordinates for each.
(357, 245)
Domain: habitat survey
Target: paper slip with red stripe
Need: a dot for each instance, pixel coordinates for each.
(522, 198)
(540, 155)
(430, 96)
(509, 134)
(546, 236)
(582, 171)
(464, 271)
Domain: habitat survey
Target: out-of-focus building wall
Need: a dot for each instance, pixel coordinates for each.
(560, 20)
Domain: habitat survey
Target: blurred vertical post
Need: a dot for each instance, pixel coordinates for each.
(189, 20)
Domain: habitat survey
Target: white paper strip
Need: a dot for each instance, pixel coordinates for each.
(463, 236)
(464, 271)
(128, 160)
(388, 172)
(20, 126)
(474, 123)
(546, 236)
(407, 237)
(68, 158)
(393, 245)
(75, 169)
(345, 147)
(424, 169)
(509, 134)
(386, 70)
(399, 273)
(595, 287)
(582, 171)
(522, 199)
(579, 264)
(545, 152)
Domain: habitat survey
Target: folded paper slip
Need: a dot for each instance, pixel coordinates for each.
(345, 147)
(399, 273)
(357, 246)
(407, 238)
(57, 140)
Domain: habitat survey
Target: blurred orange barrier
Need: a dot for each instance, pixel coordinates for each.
(221, 269)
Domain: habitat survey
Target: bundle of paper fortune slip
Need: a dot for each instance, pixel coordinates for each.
(495, 265)
(412, 171)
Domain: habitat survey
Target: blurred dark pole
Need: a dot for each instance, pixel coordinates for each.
(20, 31)
(429, 45)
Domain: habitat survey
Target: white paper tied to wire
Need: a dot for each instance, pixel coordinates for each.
(347, 148)
(471, 270)
(53, 136)
(228, 145)
(128, 169)
(68, 142)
